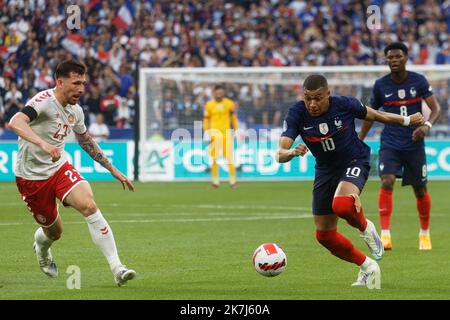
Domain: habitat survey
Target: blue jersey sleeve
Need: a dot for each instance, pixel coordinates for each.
(291, 124)
(375, 100)
(357, 108)
(424, 89)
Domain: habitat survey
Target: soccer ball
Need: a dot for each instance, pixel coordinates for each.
(269, 260)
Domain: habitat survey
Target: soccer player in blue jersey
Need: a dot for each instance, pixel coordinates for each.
(326, 124)
(402, 150)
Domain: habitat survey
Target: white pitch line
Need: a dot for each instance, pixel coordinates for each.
(208, 206)
(200, 206)
(273, 217)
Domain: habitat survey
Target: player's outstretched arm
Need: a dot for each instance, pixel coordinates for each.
(285, 153)
(19, 123)
(386, 117)
(93, 150)
(365, 127)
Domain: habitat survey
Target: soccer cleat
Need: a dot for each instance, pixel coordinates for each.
(214, 185)
(424, 242)
(47, 264)
(123, 275)
(373, 240)
(387, 243)
(370, 277)
(234, 185)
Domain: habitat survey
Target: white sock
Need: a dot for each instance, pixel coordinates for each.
(424, 232)
(366, 263)
(43, 243)
(102, 236)
(385, 232)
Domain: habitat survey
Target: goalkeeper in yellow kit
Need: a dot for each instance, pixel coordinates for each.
(218, 121)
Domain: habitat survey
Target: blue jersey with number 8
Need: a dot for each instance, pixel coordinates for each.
(404, 99)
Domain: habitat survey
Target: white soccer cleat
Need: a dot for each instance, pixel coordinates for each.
(370, 276)
(123, 275)
(47, 264)
(373, 240)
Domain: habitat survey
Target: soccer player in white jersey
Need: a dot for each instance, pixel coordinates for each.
(43, 173)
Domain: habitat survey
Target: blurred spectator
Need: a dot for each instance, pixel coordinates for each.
(272, 112)
(189, 111)
(109, 105)
(255, 116)
(168, 110)
(200, 33)
(12, 103)
(122, 115)
(98, 129)
(93, 101)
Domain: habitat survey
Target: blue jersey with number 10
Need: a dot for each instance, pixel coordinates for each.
(331, 137)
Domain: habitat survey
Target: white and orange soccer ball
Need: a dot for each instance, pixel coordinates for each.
(269, 260)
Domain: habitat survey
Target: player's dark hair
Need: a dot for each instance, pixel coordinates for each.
(218, 86)
(314, 82)
(64, 68)
(396, 46)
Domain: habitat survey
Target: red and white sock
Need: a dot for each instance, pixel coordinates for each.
(103, 237)
(43, 243)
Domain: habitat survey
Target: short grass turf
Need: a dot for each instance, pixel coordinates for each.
(188, 241)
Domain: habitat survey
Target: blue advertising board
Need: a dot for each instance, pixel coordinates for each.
(118, 153)
(256, 161)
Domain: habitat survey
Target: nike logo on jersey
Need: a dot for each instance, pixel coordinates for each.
(307, 128)
(388, 95)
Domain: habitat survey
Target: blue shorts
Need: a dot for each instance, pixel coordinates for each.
(326, 182)
(411, 166)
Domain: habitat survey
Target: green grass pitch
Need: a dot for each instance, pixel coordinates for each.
(187, 241)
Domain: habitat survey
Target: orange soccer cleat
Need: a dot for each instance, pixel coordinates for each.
(387, 242)
(424, 242)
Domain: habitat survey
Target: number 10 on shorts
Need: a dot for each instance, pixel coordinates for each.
(353, 172)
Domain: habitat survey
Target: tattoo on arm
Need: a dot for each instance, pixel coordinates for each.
(93, 150)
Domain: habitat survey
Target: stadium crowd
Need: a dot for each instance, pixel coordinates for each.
(115, 36)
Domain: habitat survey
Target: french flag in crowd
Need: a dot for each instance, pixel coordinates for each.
(73, 43)
(125, 15)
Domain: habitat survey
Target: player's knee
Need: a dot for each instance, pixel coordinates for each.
(88, 207)
(387, 183)
(420, 192)
(343, 206)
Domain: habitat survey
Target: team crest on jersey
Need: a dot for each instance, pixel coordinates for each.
(323, 128)
(413, 92)
(71, 119)
(402, 93)
(338, 122)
